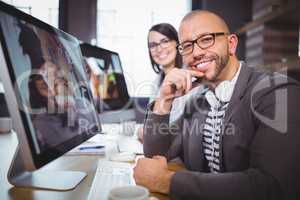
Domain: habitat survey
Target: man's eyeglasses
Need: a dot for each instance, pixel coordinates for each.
(164, 43)
(204, 41)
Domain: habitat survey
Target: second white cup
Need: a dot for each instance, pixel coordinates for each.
(130, 193)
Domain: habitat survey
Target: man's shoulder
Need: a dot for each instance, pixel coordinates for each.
(254, 73)
(257, 73)
(262, 82)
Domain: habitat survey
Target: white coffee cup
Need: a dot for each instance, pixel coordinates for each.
(130, 193)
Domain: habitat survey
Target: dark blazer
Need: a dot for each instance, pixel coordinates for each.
(259, 151)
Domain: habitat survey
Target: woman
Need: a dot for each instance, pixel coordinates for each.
(162, 42)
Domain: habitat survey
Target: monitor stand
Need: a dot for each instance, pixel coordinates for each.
(41, 179)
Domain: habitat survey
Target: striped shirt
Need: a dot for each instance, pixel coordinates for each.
(212, 133)
(213, 126)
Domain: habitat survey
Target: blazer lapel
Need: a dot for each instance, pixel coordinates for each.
(196, 143)
(239, 91)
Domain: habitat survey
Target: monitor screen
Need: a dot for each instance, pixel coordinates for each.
(106, 78)
(47, 73)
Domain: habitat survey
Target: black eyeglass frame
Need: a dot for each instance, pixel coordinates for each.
(163, 43)
(214, 35)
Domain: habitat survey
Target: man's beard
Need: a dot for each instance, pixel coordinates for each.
(221, 62)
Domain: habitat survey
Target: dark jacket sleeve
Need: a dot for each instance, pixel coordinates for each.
(160, 137)
(274, 169)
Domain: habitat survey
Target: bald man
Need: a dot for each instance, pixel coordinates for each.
(237, 137)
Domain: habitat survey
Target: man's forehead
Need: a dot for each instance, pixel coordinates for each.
(190, 31)
(194, 27)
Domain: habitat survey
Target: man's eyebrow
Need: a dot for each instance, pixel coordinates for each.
(197, 36)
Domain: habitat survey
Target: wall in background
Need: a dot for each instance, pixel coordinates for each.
(46, 11)
(79, 18)
(123, 27)
(235, 12)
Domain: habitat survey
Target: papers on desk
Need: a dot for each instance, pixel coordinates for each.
(114, 143)
(130, 145)
(125, 143)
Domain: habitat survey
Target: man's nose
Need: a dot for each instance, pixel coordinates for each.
(198, 51)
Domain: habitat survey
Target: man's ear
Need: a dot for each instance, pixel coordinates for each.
(232, 43)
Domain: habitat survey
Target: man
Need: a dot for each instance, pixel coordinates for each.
(238, 139)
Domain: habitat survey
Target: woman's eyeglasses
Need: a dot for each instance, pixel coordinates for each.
(164, 43)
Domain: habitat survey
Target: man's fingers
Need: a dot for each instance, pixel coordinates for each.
(181, 79)
(188, 82)
(178, 82)
(196, 73)
(157, 157)
(161, 158)
(175, 87)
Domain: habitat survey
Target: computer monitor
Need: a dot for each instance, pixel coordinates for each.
(45, 85)
(106, 77)
(3, 106)
(5, 120)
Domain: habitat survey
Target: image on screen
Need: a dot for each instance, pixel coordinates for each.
(50, 82)
(106, 78)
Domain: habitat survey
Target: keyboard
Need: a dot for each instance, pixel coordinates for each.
(109, 175)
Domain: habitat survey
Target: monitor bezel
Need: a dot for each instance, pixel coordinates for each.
(32, 160)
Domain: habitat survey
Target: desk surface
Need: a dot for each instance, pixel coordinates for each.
(88, 164)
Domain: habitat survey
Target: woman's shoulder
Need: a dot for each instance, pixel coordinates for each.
(158, 78)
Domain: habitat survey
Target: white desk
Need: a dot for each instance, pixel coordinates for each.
(88, 164)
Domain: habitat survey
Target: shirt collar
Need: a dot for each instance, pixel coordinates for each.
(224, 90)
(235, 77)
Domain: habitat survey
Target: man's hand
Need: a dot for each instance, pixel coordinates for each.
(177, 83)
(153, 174)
